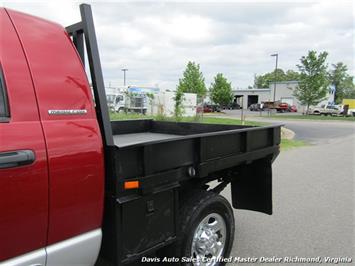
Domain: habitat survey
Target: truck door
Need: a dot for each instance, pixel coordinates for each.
(73, 141)
(23, 160)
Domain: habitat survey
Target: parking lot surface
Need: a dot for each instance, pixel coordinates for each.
(313, 196)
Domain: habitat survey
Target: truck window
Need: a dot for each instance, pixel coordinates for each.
(4, 112)
(119, 98)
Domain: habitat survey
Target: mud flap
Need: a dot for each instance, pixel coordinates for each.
(252, 187)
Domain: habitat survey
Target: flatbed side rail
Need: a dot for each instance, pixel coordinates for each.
(85, 30)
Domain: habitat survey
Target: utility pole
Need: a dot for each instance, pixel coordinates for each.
(276, 57)
(242, 111)
(124, 75)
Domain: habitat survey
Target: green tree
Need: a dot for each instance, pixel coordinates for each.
(349, 88)
(292, 75)
(339, 77)
(263, 81)
(192, 80)
(313, 83)
(178, 110)
(221, 90)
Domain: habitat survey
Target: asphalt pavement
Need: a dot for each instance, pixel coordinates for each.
(313, 197)
(311, 131)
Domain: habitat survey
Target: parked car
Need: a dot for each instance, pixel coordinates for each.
(256, 107)
(211, 108)
(232, 106)
(216, 108)
(325, 109)
(315, 110)
(207, 109)
(276, 105)
(268, 105)
(235, 105)
(282, 107)
(292, 109)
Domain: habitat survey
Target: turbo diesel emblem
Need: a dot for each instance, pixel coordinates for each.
(68, 112)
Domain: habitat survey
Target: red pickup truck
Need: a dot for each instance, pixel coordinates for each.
(79, 189)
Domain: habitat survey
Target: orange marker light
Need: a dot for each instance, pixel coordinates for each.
(131, 184)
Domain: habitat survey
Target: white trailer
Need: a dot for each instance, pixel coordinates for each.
(163, 103)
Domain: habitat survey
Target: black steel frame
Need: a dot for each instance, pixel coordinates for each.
(162, 178)
(85, 30)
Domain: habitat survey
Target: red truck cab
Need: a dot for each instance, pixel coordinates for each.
(51, 150)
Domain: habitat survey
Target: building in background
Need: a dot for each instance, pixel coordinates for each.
(284, 94)
(247, 97)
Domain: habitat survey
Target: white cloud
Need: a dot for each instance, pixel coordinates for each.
(154, 40)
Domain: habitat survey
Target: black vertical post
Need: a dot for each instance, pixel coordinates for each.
(96, 73)
(277, 57)
(124, 76)
(78, 40)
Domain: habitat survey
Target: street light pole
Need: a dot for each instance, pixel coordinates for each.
(124, 75)
(277, 58)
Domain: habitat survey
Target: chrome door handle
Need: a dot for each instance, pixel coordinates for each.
(17, 158)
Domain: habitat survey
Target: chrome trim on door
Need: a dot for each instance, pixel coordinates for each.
(35, 258)
(81, 250)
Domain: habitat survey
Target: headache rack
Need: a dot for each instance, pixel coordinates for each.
(85, 30)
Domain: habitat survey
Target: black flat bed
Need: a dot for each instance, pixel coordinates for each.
(167, 162)
(124, 140)
(163, 157)
(147, 147)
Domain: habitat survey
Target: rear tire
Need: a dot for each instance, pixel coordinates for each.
(206, 229)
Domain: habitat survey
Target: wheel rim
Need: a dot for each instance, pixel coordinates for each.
(209, 240)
